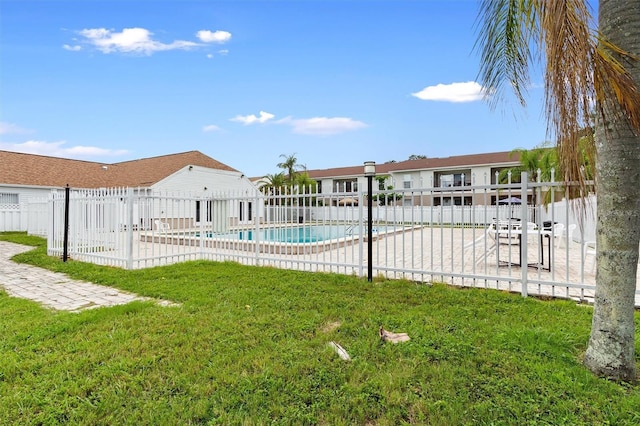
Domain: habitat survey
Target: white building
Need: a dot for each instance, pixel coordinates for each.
(27, 177)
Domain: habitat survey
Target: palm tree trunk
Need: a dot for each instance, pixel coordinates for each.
(611, 349)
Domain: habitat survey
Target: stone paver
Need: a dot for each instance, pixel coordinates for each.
(56, 290)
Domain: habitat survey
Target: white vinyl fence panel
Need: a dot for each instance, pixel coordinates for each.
(12, 217)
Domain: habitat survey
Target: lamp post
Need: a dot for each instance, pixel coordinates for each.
(369, 172)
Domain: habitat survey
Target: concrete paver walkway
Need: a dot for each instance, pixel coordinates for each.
(56, 290)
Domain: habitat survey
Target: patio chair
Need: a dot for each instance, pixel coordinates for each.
(501, 232)
(495, 234)
(566, 235)
(558, 233)
(589, 250)
(162, 226)
(531, 226)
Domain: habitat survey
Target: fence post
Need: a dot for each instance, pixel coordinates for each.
(361, 238)
(129, 228)
(259, 206)
(524, 256)
(65, 240)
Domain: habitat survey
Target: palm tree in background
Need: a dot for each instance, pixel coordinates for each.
(274, 182)
(542, 162)
(276, 185)
(582, 66)
(290, 166)
(537, 162)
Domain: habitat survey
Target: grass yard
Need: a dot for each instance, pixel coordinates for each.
(248, 345)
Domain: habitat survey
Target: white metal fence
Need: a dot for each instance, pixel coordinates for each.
(321, 232)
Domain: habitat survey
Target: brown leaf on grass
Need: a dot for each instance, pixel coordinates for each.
(389, 336)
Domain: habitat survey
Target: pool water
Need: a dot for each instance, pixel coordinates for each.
(298, 234)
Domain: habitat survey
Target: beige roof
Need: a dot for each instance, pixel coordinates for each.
(38, 170)
(455, 162)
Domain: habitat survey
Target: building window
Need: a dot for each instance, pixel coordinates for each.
(209, 211)
(454, 179)
(6, 198)
(452, 201)
(345, 185)
(407, 182)
(249, 211)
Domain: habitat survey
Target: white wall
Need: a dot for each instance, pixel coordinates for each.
(196, 179)
(481, 175)
(27, 192)
(16, 217)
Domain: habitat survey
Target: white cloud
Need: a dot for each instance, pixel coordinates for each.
(72, 48)
(323, 125)
(306, 126)
(469, 91)
(207, 36)
(223, 52)
(57, 149)
(211, 128)
(10, 128)
(130, 40)
(251, 119)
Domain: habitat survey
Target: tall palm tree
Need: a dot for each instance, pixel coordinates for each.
(581, 66)
(290, 166)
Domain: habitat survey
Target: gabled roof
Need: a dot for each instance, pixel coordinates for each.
(39, 170)
(454, 162)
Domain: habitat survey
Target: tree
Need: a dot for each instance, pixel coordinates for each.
(276, 185)
(290, 166)
(274, 182)
(537, 162)
(581, 66)
(417, 157)
(541, 161)
(384, 198)
(305, 185)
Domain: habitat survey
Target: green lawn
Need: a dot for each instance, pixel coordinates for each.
(248, 345)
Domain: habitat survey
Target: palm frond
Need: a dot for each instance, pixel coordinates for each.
(612, 76)
(504, 41)
(569, 51)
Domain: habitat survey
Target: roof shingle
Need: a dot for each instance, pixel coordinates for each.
(38, 170)
(458, 161)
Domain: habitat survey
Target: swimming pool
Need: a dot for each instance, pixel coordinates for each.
(296, 234)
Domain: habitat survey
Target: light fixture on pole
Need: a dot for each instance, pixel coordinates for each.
(369, 172)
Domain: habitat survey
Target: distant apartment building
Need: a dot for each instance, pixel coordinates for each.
(451, 175)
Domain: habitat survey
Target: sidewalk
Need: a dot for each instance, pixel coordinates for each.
(56, 290)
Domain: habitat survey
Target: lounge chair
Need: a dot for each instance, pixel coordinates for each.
(162, 226)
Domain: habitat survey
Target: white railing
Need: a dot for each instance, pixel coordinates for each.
(321, 232)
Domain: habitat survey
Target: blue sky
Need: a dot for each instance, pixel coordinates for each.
(335, 82)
